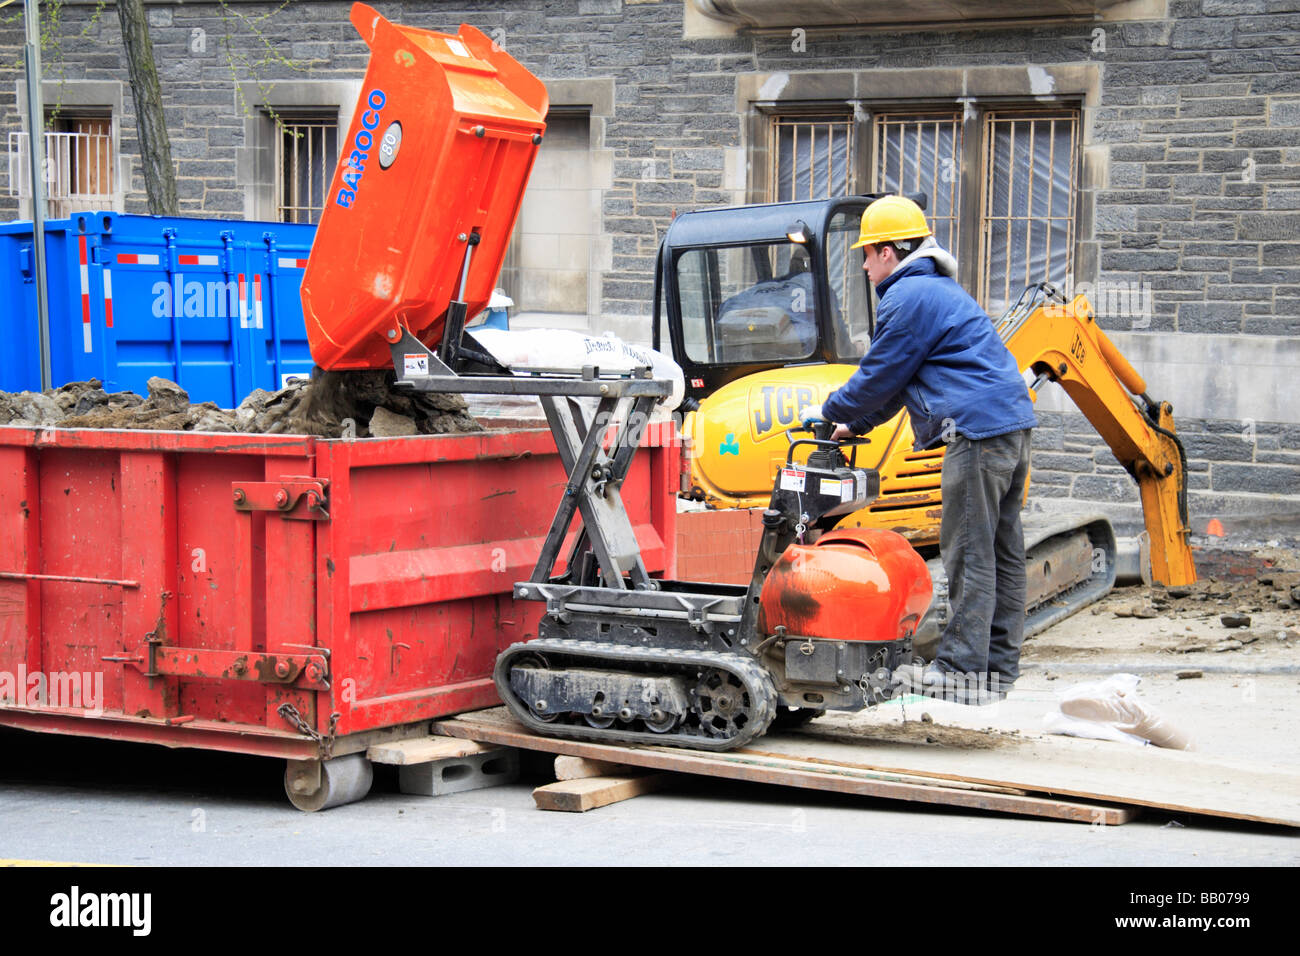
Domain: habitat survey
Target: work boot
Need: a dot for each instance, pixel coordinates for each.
(921, 678)
(973, 691)
(943, 684)
(912, 676)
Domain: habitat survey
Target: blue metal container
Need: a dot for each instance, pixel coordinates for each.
(211, 304)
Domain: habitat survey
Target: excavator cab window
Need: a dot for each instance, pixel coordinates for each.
(851, 312)
(752, 303)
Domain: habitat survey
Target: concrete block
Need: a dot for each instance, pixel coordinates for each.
(458, 774)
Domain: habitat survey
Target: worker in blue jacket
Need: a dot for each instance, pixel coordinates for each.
(936, 352)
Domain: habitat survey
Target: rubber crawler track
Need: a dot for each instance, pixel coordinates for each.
(757, 683)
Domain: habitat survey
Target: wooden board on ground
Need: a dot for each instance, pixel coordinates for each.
(1177, 781)
(424, 750)
(588, 793)
(818, 773)
(575, 768)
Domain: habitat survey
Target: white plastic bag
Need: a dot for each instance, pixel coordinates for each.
(1111, 706)
(1058, 723)
(524, 349)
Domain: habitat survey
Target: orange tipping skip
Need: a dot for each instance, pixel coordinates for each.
(439, 149)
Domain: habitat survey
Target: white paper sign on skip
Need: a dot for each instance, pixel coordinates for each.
(523, 349)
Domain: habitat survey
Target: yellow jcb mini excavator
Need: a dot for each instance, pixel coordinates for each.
(768, 310)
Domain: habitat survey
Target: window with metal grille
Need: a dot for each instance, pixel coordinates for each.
(813, 157)
(922, 153)
(1001, 183)
(306, 152)
(1027, 223)
(79, 160)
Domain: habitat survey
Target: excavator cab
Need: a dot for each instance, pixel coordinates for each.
(746, 289)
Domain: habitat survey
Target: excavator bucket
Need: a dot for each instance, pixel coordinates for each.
(426, 193)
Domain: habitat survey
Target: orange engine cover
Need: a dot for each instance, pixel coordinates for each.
(855, 584)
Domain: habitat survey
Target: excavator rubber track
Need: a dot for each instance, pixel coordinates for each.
(658, 696)
(1070, 563)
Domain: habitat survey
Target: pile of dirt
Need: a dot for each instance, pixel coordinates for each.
(1233, 586)
(1246, 601)
(331, 405)
(358, 404)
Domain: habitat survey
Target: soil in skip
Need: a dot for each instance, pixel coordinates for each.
(352, 404)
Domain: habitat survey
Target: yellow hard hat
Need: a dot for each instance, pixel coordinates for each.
(890, 218)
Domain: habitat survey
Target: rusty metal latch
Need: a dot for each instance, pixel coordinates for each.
(302, 499)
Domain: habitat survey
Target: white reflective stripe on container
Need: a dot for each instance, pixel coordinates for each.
(108, 298)
(85, 293)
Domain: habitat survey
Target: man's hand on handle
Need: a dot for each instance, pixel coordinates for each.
(810, 413)
(813, 413)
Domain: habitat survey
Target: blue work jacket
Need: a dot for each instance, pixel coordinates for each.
(936, 352)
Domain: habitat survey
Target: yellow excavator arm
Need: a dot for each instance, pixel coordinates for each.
(1061, 341)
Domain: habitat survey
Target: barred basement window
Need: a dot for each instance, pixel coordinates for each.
(79, 158)
(1027, 229)
(922, 153)
(306, 152)
(812, 158)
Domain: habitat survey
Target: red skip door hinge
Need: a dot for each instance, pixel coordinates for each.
(303, 499)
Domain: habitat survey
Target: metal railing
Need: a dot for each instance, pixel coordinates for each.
(79, 174)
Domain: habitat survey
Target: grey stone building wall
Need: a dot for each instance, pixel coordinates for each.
(1190, 182)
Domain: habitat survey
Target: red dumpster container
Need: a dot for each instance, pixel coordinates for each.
(436, 159)
(204, 580)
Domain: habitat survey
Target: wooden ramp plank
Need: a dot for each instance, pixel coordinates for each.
(576, 768)
(866, 744)
(1176, 781)
(496, 726)
(403, 753)
(588, 793)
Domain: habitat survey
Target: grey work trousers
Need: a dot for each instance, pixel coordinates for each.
(983, 550)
